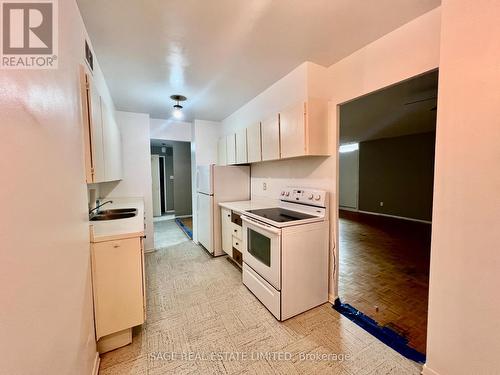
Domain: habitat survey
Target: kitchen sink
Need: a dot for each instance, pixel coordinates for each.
(102, 216)
(117, 211)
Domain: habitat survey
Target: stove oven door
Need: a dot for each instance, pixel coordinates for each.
(262, 250)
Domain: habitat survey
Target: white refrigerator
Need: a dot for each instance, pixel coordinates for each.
(217, 184)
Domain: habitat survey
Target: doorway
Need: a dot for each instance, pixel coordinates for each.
(171, 187)
(386, 170)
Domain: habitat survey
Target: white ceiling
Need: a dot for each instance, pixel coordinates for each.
(222, 53)
(403, 109)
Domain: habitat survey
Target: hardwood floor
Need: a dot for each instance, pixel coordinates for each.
(384, 271)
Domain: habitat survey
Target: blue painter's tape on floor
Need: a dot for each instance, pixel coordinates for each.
(384, 334)
(184, 228)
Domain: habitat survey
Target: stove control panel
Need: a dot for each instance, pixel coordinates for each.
(305, 196)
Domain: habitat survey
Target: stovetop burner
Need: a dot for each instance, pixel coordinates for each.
(280, 215)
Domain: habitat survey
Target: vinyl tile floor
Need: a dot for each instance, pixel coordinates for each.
(168, 233)
(201, 319)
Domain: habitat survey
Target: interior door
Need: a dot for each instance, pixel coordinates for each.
(155, 176)
(205, 221)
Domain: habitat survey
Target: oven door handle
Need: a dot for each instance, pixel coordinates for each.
(262, 226)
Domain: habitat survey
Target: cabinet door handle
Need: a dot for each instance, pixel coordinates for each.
(116, 246)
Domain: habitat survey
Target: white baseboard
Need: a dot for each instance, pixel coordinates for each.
(386, 215)
(183, 216)
(428, 371)
(348, 209)
(97, 361)
(152, 250)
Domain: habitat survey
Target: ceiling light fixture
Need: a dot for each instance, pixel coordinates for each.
(177, 112)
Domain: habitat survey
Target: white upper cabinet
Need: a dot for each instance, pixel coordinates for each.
(112, 145)
(304, 129)
(103, 155)
(231, 149)
(270, 129)
(241, 147)
(222, 151)
(292, 131)
(92, 123)
(254, 148)
(293, 123)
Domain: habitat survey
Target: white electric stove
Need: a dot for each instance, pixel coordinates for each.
(285, 252)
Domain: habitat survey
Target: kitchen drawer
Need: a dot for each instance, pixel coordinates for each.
(236, 231)
(237, 243)
(266, 294)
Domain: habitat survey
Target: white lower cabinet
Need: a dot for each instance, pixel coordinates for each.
(119, 290)
(231, 234)
(227, 235)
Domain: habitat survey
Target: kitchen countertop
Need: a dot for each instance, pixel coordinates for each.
(122, 228)
(254, 204)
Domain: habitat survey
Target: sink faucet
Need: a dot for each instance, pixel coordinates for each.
(99, 205)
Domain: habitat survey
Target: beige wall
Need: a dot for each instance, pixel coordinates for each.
(408, 51)
(464, 308)
(46, 319)
(171, 130)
